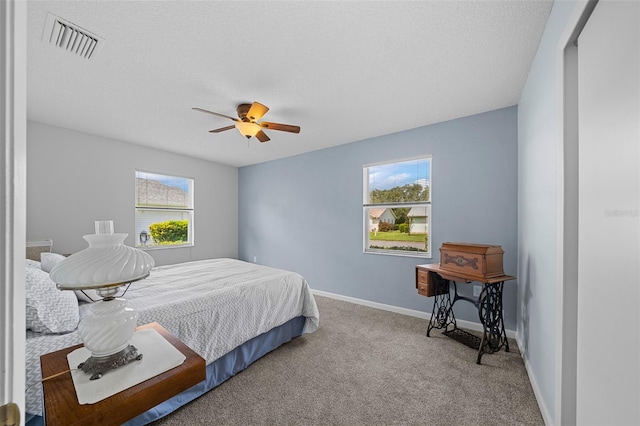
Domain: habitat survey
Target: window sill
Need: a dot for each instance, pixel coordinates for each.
(145, 248)
(421, 255)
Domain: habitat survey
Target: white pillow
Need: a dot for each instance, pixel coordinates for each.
(48, 309)
(49, 260)
(32, 263)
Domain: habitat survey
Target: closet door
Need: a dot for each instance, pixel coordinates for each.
(608, 355)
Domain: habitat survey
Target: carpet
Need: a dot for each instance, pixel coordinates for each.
(365, 366)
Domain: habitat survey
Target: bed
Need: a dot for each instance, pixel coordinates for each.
(228, 311)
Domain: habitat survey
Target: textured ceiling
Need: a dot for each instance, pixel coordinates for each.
(343, 71)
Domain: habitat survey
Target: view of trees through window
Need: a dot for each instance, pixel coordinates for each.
(397, 207)
(164, 210)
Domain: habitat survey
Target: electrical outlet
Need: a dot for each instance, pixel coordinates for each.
(255, 259)
(476, 290)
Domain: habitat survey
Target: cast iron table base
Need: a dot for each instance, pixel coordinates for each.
(489, 305)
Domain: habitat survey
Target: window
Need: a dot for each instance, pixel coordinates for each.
(164, 210)
(397, 207)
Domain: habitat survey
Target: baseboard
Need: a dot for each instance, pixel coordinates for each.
(469, 325)
(544, 410)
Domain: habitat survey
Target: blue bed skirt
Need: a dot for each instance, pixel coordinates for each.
(217, 372)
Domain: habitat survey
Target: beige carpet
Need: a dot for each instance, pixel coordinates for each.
(365, 366)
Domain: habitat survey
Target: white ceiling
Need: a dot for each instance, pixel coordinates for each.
(342, 70)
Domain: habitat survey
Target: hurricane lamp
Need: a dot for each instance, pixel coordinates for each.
(105, 266)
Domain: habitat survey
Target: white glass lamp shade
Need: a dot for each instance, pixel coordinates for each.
(107, 262)
(248, 129)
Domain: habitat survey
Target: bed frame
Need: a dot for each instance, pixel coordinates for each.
(35, 248)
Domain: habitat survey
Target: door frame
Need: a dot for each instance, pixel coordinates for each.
(13, 122)
(566, 307)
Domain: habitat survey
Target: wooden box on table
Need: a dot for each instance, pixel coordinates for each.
(479, 261)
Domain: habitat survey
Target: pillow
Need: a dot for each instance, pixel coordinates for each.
(32, 263)
(49, 260)
(48, 309)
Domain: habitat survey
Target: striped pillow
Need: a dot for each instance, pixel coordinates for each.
(48, 309)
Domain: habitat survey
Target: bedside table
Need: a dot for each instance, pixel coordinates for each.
(61, 405)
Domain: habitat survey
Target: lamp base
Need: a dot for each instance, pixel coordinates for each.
(97, 366)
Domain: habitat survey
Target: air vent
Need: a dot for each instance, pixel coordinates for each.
(70, 37)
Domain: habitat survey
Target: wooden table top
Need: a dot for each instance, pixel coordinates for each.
(61, 402)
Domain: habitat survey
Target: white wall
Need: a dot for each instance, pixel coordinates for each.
(75, 178)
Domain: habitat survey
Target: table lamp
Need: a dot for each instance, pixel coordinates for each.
(106, 265)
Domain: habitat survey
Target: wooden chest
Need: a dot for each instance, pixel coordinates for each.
(473, 260)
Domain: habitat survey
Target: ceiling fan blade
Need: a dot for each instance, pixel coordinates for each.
(262, 136)
(214, 113)
(222, 129)
(278, 126)
(256, 111)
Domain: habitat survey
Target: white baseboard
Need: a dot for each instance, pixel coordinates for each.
(469, 325)
(544, 409)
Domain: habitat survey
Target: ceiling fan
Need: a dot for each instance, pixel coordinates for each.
(248, 124)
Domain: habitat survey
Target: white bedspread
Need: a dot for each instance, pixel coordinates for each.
(211, 305)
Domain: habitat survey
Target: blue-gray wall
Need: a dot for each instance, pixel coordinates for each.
(304, 213)
(539, 145)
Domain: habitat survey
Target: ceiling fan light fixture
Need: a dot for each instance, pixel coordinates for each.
(248, 129)
(248, 125)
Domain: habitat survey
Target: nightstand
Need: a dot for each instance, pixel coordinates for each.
(61, 405)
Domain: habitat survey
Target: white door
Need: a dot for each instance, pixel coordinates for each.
(608, 352)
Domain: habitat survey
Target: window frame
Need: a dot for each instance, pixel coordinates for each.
(189, 210)
(366, 205)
